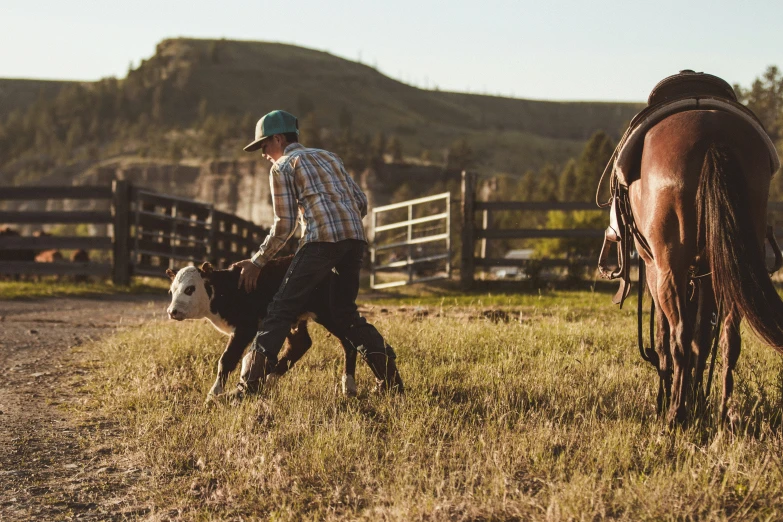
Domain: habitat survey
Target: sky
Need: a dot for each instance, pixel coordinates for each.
(546, 49)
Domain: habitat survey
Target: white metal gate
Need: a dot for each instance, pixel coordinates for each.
(411, 248)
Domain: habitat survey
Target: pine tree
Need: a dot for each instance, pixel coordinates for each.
(310, 131)
(74, 137)
(213, 52)
(395, 149)
(157, 104)
(202, 110)
(765, 99)
(548, 184)
(345, 119)
(460, 155)
(595, 155)
(379, 145)
(304, 106)
(568, 180)
(527, 187)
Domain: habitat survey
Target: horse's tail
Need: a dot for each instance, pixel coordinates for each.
(739, 273)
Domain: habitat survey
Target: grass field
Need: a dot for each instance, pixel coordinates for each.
(549, 416)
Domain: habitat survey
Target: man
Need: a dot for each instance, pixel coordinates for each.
(314, 184)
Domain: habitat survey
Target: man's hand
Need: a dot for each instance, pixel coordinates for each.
(249, 275)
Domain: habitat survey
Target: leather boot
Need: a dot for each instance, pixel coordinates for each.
(387, 377)
(251, 377)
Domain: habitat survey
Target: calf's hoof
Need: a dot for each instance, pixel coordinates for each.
(349, 386)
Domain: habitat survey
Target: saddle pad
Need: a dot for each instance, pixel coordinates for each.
(627, 160)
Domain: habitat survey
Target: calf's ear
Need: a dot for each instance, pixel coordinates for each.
(171, 273)
(206, 268)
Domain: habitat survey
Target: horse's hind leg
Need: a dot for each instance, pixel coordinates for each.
(731, 344)
(662, 344)
(703, 315)
(663, 348)
(672, 298)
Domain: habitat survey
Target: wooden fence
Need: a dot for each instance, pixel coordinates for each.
(166, 231)
(17, 253)
(475, 238)
(473, 234)
(148, 232)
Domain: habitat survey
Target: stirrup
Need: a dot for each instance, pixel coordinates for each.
(603, 268)
(612, 234)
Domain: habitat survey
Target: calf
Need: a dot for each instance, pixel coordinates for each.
(213, 294)
(80, 256)
(49, 256)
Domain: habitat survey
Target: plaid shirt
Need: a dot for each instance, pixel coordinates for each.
(314, 184)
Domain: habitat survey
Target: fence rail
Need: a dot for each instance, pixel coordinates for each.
(55, 217)
(57, 192)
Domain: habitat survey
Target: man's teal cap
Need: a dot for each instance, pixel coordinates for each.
(276, 122)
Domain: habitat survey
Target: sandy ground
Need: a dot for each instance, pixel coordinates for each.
(54, 465)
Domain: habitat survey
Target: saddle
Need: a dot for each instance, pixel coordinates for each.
(685, 91)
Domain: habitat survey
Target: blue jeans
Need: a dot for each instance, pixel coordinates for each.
(311, 264)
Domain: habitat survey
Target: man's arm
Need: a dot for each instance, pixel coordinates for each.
(285, 210)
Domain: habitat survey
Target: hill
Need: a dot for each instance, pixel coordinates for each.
(20, 94)
(200, 99)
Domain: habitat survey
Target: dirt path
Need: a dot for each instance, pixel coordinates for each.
(50, 466)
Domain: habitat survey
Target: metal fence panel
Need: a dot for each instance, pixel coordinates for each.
(422, 249)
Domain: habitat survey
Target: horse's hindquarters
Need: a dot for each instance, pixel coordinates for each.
(682, 154)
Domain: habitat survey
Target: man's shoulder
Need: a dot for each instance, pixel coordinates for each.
(315, 152)
(306, 153)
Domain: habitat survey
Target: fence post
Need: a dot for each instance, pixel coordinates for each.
(468, 199)
(212, 238)
(121, 270)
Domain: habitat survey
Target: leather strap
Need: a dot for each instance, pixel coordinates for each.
(775, 249)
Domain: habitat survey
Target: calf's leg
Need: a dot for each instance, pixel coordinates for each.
(349, 369)
(378, 355)
(299, 342)
(236, 345)
(348, 381)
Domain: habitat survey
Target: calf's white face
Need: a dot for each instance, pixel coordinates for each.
(189, 298)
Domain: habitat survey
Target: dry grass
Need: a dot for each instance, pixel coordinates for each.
(549, 416)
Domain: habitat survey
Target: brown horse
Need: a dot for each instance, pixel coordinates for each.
(700, 205)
